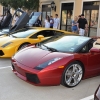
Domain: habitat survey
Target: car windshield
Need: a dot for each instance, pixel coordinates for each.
(64, 43)
(24, 33)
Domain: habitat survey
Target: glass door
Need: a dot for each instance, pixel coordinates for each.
(66, 16)
(66, 22)
(46, 10)
(92, 19)
(94, 22)
(63, 21)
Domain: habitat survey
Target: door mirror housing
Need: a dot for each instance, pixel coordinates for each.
(40, 37)
(95, 50)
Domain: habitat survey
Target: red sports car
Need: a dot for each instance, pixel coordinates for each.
(62, 59)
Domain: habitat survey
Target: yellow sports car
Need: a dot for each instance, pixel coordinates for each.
(9, 45)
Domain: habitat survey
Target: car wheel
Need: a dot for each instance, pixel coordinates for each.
(23, 46)
(72, 75)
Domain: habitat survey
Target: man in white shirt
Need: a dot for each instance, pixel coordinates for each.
(56, 22)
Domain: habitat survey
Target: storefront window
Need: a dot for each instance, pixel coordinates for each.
(66, 16)
(91, 12)
(46, 10)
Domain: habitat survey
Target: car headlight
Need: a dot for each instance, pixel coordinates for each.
(44, 65)
(6, 44)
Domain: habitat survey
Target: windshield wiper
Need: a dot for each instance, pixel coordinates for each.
(51, 49)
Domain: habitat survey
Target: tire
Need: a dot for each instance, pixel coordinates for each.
(72, 75)
(23, 46)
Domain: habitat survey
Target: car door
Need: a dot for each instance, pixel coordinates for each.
(45, 33)
(93, 59)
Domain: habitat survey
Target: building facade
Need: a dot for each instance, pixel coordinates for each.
(68, 9)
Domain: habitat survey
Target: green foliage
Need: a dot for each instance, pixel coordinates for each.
(31, 4)
(27, 4)
(4, 2)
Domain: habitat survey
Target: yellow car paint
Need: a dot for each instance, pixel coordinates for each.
(12, 48)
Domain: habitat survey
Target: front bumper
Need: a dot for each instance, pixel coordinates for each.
(7, 52)
(34, 76)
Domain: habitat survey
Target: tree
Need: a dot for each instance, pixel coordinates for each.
(27, 4)
(31, 4)
(4, 2)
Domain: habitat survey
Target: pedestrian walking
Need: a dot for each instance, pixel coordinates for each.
(82, 24)
(47, 22)
(56, 22)
(74, 25)
(51, 21)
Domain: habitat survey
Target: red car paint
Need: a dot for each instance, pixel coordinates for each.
(27, 59)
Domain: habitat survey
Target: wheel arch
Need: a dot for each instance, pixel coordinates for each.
(78, 61)
(82, 66)
(23, 44)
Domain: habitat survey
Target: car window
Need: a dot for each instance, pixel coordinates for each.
(87, 47)
(45, 33)
(84, 49)
(58, 32)
(64, 43)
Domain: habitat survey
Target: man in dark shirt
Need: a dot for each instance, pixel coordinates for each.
(82, 24)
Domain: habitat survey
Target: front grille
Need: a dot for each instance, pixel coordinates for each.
(32, 78)
(1, 53)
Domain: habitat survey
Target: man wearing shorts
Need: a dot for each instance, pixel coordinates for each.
(82, 24)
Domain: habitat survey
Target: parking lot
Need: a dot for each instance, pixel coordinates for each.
(13, 88)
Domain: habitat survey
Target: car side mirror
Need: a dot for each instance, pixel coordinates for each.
(95, 50)
(40, 37)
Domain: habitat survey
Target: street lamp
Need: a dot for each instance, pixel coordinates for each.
(53, 6)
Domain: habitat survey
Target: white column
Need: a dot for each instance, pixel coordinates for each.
(98, 29)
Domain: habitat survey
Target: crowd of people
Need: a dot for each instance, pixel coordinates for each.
(49, 22)
(80, 25)
(6, 18)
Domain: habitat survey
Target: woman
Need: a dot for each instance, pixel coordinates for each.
(47, 22)
(74, 25)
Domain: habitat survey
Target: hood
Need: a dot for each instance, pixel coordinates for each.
(7, 39)
(4, 31)
(32, 57)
